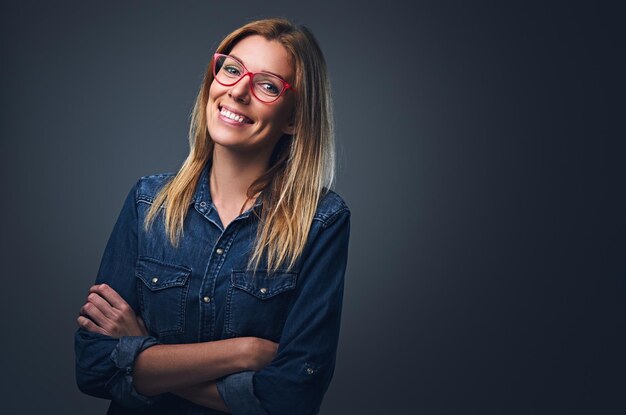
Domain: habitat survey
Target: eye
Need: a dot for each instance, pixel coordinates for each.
(269, 88)
(232, 70)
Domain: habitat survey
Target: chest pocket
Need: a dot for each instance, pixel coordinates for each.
(162, 291)
(257, 303)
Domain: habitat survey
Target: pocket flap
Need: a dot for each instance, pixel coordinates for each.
(262, 285)
(158, 275)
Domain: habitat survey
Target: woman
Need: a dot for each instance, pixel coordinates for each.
(220, 288)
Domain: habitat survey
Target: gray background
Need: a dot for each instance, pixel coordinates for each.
(481, 152)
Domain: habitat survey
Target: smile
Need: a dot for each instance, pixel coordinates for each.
(234, 116)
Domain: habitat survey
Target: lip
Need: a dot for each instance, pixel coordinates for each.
(247, 120)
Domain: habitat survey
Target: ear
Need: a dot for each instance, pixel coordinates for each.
(289, 128)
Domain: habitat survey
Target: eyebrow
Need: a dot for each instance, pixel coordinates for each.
(241, 60)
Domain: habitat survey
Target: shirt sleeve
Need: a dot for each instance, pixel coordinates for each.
(104, 364)
(296, 380)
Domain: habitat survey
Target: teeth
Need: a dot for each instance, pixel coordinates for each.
(231, 115)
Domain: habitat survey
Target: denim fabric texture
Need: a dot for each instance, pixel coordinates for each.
(202, 291)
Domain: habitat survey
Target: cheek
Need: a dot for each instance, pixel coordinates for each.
(284, 116)
(215, 90)
(214, 93)
(273, 120)
(288, 110)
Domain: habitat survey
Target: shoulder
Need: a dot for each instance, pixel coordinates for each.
(330, 208)
(147, 187)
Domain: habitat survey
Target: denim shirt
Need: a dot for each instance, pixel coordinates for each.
(203, 291)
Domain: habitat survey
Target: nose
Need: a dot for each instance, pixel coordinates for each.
(240, 92)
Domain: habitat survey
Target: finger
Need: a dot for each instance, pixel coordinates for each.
(103, 305)
(85, 323)
(91, 311)
(110, 295)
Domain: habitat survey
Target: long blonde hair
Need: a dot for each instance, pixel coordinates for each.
(302, 166)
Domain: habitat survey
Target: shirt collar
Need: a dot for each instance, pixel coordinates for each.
(203, 193)
(202, 197)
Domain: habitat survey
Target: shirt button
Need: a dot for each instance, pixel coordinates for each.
(309, 370)
(155, 280)
(219, 251)
(263, 290)
(202, 204)
(206, 299)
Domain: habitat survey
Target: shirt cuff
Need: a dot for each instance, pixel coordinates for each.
(237, 392)
(120, 386)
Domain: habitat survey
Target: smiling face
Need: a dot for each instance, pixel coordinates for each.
(236, 119)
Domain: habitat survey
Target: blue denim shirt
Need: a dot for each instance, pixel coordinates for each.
(202, 291)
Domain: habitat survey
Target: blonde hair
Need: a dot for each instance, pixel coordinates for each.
(302, 166)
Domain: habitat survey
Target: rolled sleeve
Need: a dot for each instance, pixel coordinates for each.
(237, 392)
(121, 384)
(104, 366)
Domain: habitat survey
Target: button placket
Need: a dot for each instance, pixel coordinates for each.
(210, 296)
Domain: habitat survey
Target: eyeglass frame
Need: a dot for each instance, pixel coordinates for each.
(286, 84)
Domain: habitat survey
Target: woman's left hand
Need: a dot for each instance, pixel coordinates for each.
(106, 312)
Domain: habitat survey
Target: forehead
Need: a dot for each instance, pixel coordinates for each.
(262, 55)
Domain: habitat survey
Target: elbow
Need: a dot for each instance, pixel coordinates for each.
(301, 394)
(92, 367)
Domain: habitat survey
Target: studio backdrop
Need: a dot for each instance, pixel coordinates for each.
(481, 152)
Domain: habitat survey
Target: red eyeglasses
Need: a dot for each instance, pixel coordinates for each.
(266, 87)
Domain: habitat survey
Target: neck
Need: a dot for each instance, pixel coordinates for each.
(232, 173)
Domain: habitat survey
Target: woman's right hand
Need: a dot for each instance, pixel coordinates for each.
(258, 352)
(107, 313)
